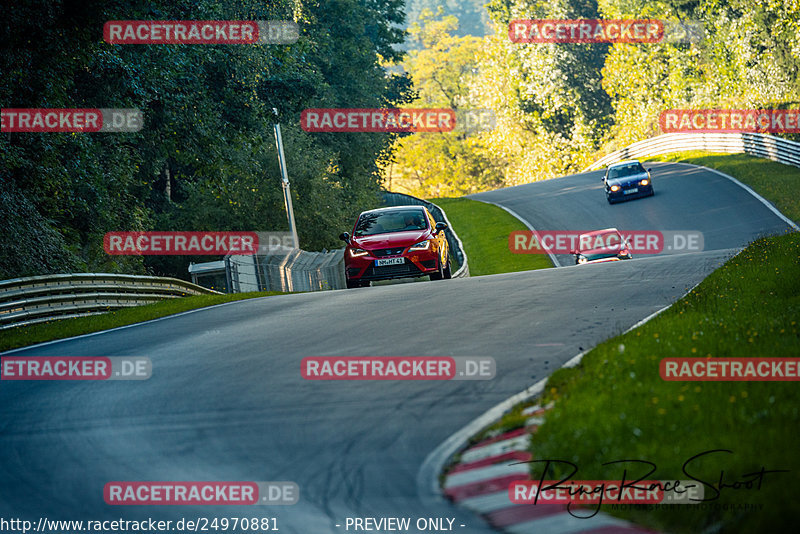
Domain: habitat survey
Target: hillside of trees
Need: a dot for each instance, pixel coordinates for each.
(560, 106)
(206, 157)
(472, 16)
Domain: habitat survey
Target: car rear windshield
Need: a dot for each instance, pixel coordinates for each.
(625, 170)
(393, 221)
(608, 240)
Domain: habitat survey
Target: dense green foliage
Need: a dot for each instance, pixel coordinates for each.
(560, 106)
(206, 158)
(442, 69)
(473, 18)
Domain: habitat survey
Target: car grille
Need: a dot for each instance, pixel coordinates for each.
(384, 252)
(389, 271)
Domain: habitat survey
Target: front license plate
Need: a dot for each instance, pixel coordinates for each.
(634, 190)
(389, 261)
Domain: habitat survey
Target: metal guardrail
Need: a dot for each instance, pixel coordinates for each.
(37, 299)
(754, 144)
(297, 270)
(456, 246)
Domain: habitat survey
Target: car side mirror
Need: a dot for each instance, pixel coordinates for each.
(439, 227)
(344, 236)
(648, 170)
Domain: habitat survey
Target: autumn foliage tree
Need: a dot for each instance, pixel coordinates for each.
(443, 68)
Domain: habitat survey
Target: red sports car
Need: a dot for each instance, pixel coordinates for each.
(396, 242)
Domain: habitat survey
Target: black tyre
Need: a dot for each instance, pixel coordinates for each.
(438, 275)
(354, 283)
(447, 274)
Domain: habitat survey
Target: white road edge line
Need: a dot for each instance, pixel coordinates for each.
(523, 221)
(428, 474)
(758, 197)
(187, 312)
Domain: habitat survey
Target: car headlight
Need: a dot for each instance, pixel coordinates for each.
(581, 258)
(644, 182)
(422, 245)
(615, 188)
(356, 252)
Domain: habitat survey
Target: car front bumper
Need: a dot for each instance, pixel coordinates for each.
(618, 196)
(420, 263)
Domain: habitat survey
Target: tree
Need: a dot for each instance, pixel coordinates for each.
(552, 109)
(442, 67)
(205, 159)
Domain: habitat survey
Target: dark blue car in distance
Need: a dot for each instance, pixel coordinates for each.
(626, 180)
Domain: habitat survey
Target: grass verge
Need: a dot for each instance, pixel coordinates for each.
(615, 405)
(484, 231)
(778, 183)
(22, 336)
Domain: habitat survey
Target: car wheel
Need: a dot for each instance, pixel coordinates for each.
(447, 274)
(438, 275)
(609, 200)
(354, 283)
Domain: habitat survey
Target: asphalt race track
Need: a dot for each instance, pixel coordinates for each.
(686, 198)
(226, 401)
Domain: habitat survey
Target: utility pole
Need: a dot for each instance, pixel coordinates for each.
(287, 191)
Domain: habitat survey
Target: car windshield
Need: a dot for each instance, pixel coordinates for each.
(608, 240)
(372, 223)
(625, 170)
